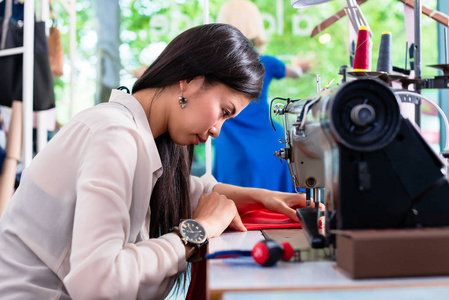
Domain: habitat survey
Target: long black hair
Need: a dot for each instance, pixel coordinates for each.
(221, 54)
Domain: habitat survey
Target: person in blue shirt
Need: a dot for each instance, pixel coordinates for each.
(244, 150)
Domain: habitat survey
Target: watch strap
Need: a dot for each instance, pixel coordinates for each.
(196, 255)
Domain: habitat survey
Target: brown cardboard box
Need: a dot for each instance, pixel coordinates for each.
(393, 252)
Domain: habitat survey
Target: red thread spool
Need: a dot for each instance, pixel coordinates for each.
(267, 252)
(362, 55)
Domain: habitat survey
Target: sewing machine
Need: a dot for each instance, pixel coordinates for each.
(374, 166)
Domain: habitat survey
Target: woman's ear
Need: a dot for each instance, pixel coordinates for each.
(192, 84)
(182, 85)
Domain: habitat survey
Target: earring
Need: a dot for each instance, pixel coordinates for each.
(182, 101)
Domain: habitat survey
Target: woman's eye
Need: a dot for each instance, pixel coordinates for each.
(225, 113)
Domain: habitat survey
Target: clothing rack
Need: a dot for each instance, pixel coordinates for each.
(28, 67)
(26, 116)
(69, 6)
(23, 112)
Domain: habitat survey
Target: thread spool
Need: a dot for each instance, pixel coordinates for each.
(384, 62)
(267, 252)
(362, 53)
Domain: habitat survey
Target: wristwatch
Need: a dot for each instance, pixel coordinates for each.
(191, 233)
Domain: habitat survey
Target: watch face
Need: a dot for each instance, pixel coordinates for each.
(193, 231)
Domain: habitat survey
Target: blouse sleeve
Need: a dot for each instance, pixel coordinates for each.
(104, 264)
(198, 186)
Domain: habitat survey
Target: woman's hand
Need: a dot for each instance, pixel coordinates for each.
(216, 212)
(285, 203)
(253, 198)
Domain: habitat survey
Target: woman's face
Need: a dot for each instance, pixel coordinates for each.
(206, 110)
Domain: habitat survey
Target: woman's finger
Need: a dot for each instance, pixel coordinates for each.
(237, 223)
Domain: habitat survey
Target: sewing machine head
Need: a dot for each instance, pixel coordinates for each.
(376, 169)
(362, 115)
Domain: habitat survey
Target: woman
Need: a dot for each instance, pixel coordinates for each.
(249, 141)
(95, 212)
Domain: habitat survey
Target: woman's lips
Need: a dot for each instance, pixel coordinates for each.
(199, 140)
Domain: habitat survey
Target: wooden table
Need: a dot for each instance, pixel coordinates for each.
(313, 278)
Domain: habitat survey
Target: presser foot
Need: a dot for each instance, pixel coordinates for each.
(309, 223)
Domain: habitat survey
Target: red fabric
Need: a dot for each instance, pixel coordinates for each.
(197, 288)
(265, 219)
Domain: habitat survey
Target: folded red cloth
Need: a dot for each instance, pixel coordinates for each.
(265, 219)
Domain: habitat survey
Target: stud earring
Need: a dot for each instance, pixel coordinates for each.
(182, 101)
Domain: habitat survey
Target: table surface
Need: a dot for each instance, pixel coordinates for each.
(232, 276)
(409, 293)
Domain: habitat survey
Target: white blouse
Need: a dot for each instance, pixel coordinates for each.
(77, 226)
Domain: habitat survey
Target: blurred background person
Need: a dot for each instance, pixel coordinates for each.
(244, 150)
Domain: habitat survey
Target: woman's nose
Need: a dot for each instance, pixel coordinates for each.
(214, 131)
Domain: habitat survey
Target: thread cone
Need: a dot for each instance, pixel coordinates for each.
(384, 62)
(362, 54)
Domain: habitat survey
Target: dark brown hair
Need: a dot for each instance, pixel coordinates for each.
(222, 54)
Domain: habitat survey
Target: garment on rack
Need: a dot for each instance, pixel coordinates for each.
(17, 9)
(55, 51)
(11, 66)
